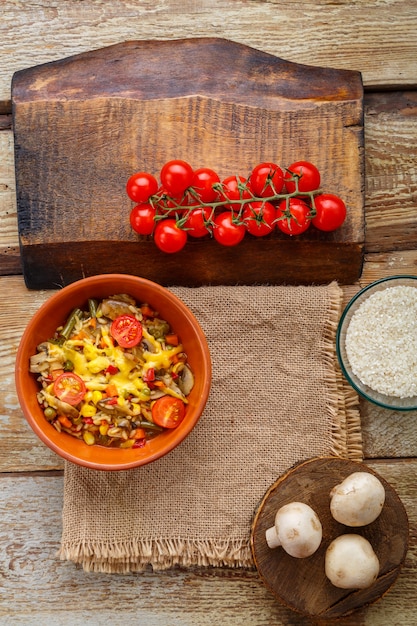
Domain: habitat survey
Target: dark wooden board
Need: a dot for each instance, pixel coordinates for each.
(301, 584)
(84, 124)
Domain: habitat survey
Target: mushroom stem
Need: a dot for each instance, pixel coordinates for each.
(272, 538)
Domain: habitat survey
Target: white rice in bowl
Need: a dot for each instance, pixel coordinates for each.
(381, 342)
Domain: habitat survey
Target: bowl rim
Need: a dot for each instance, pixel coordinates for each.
(21, 371)
(385, 404)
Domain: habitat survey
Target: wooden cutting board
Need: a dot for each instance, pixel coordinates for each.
(84, 124)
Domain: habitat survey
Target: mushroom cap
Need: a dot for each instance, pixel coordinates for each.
(351, 563)
(299, 529)
(358, 500)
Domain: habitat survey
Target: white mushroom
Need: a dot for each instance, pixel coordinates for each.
(358, 500)
(351, 562)
(297, 529)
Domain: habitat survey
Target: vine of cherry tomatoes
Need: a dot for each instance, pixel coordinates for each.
(188, 202)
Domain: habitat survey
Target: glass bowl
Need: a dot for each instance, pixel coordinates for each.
(372, 393)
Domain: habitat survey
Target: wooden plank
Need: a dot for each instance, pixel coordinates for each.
(9, 244)
(38, 588)
(376, 39)
(390, 155)
(386, 434)
(391, 173)
(232, 108)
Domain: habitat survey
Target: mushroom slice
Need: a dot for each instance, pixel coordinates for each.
(113, 409)
(186, 380)
(113, 307)
(62, 407)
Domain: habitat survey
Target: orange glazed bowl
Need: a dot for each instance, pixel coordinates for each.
(55, 311)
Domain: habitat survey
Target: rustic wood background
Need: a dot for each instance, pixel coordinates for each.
(378, 39)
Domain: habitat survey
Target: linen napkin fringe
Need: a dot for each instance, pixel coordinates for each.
(162, 553)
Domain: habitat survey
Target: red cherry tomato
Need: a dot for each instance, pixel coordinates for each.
(126, 330)
(266, 180)
(259, 218)
(330, 212)
(176, 176)
(309, 177)
(226, 231)
(168, 412)
(168, 236)
(142, 218)
(298, 221)
(70, 388)
(235, 188)
(203, 180)
(141, 186)
(196, 223)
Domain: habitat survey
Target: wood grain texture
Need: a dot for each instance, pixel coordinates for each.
(311, 483)
(83, 125)
(376, 38)
(386, 434)
(38, 588)
(390, 156)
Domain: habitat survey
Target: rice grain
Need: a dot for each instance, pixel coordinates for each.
(381, 341)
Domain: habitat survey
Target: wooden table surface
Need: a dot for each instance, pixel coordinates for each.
(377, 38)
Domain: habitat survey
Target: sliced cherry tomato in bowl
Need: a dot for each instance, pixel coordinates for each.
(70, 388)
(266, 180)
(330, 212)
(259, 218)
(126, 330)
(298, 219)
(168, 412)
(308, 177)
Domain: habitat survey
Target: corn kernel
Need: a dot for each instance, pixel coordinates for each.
(96, 396)
(128, 443)
(88, 410)
(103, 429)
(88, 438)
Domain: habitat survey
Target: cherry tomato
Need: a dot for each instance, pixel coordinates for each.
(176, 176)
(266, 180)
(299, 220)
(142, 218)
(141, 186)
(226, 230)
(70, 388)
(235, 188)
(330, 212)
(259, 218)
(196, 223)
(309, 177)
(203, 180)
(126, 330)
(169, 237)
(168, 412)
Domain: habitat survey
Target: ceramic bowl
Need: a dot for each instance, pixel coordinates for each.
(55, 311)
(385, 313)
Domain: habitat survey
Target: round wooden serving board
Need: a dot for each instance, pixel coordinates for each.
(301, 584)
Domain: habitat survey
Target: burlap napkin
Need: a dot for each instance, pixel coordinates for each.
(277, 398)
